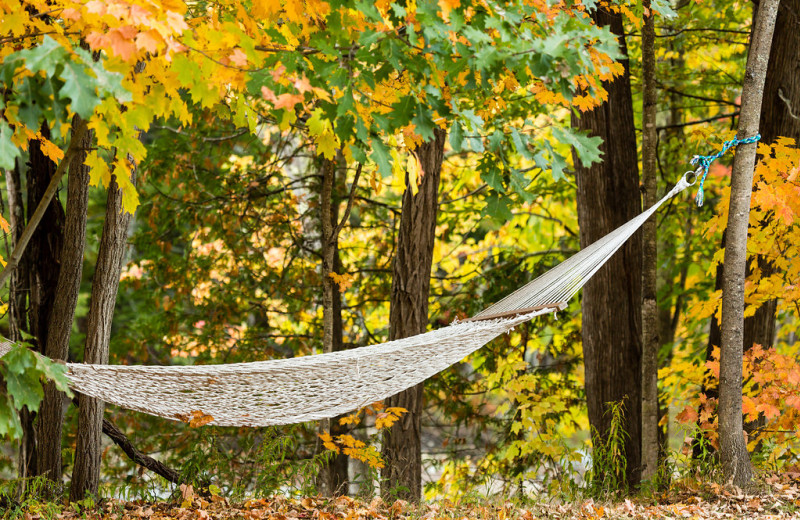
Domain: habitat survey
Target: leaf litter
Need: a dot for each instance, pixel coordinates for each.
(778, 497)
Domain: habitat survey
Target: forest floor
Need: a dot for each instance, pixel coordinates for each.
(778, 498)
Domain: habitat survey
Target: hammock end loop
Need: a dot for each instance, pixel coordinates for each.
(699, 199)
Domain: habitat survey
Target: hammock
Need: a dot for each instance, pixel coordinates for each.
(293, 390)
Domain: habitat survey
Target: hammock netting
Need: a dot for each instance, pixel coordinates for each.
(285, 391)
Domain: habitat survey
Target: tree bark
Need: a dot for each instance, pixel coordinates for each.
(650, 336)
(51, 413)
(86, 475)
(733, 449)
(17, 301)
(780, 117)
(334, 475)
(608, 196)
(411, 278)
(18, 318)
(781, 99)
(42, 257)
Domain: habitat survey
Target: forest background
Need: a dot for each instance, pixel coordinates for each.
(232, 138)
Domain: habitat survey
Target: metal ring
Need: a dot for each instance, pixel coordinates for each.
(693, 174)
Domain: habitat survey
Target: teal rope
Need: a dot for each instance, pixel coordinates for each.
(704, 161)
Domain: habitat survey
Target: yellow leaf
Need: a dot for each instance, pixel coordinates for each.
(99, 174)
(415, 173)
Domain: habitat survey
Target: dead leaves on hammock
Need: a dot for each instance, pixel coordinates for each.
(195, 418)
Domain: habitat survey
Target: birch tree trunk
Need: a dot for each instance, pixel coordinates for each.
(733, 449)
(86, 475)
(411, 280)
(650, 324)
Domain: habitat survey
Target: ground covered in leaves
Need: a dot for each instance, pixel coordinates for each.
(777, 498)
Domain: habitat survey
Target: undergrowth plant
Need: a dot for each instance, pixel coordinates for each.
(27, 498)
(609, 465)
(277, 460)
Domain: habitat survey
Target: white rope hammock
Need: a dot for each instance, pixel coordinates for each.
(293, 390)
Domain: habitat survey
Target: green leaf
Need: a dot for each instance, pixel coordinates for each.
(403, 110)
(55, 372)
(520, 183)
(476, 143)
(46, 56)
(79, 87)
(10, 425)
(520, 143)
(497, 207)
(663, 8)
(557, 163)
(494, 178)
(587, 148)
(25, 390)
(456, 136)
(19, 359)
(8, 151)
(381, 156)
(346, 103)
(424, 124)
(107, 82)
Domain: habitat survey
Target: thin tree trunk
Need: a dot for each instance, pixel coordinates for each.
(650, 339)
(18, 298)
(411, 279)
(334, 474)
(608, 196)
(86, 475)
(781, 98)
(733, 449)
(51, 413)
(18, 317)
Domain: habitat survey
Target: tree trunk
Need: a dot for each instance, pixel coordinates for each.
(334, 474)
(733, 449)
(608, 196)
(86, 475)
(781, 99)
(411, 279)
(650, 338)
(18, 318)
(780, 117)
(43, 257)
(51, 413)
(17, 306)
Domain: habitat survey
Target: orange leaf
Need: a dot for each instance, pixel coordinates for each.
(238, 58)
(148, 41)
(688, 415)
(199, 418)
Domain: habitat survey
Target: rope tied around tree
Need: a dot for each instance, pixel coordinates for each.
(704, 161)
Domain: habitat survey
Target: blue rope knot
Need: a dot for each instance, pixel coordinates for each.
(704, 161)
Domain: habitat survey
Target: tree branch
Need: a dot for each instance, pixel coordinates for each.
(121, 440)
(699, 122)
(695, 96)
(146, 461)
